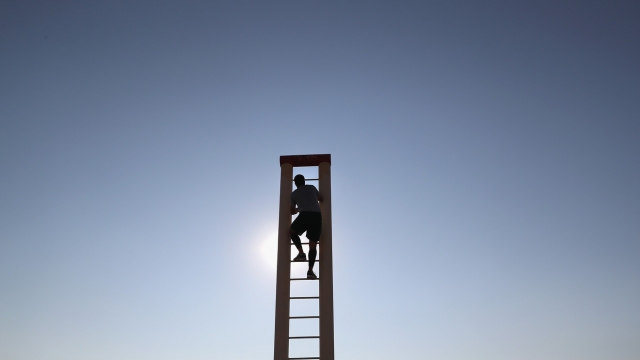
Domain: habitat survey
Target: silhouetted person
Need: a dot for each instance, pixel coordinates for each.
(306, 197)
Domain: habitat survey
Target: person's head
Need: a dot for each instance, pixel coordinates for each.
(299, 180)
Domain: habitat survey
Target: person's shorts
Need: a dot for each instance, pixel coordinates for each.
(309, 221)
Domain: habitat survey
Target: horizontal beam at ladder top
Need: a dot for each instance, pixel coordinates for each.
(305, 160)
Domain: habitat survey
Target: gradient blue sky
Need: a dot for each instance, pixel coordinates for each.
(485, 176)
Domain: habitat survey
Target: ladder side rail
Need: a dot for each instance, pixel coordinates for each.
(326, 268)
(283, 282)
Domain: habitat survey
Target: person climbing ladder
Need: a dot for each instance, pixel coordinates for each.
(306, 198)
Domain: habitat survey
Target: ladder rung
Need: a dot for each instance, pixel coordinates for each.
(303, 279)
(304, 262)
(308, 180)
(304, 297)
(304, 317)
(300, 244)
(304, 337)
(301, 358)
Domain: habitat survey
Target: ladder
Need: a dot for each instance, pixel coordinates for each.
(283, 317)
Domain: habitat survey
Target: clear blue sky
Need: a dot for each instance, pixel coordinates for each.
(485, 176)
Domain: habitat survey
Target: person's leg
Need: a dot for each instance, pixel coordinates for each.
(313, 234)
(296, 241)
(312, 254)
(297, 228)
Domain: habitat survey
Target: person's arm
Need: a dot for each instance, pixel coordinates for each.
(319, 196)
(292, 204)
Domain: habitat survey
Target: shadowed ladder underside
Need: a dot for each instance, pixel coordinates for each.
(283, 279)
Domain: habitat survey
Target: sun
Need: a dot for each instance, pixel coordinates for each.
(269, 250)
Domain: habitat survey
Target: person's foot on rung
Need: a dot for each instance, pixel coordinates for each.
(300, 257)
(311, 275)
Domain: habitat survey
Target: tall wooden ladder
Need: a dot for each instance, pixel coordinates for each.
(325, 279)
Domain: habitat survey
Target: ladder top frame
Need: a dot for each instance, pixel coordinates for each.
(305, 160)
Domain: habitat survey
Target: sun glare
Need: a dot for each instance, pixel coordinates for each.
(269, 250)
